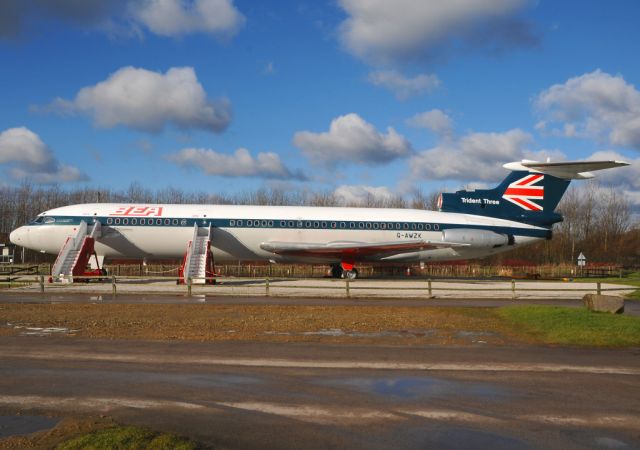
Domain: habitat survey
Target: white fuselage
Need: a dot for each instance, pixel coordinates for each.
(137, 231)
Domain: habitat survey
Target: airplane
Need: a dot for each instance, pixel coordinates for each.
(469, 224)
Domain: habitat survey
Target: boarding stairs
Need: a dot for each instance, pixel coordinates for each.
(198, 259)
(75, 253)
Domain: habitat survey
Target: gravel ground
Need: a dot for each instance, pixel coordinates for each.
(273, 323)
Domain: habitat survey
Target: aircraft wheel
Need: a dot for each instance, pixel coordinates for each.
(351, 274)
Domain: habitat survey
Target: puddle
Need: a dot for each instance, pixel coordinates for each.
(416, 387)
(476, 337)
(20, 425)
(37, 331)
(338, 332)
(607, 442)
(463, 438)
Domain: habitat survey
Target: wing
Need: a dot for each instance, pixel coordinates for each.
(352, 250)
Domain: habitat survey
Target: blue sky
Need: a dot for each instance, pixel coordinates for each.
(359, 97)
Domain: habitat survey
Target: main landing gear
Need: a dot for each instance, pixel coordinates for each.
(338, 271)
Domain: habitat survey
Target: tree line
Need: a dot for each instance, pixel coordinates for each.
(598, 221)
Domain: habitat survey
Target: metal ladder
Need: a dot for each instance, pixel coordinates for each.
(198, 254)
(75, 253)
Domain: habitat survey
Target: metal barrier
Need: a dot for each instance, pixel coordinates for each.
(267, 286)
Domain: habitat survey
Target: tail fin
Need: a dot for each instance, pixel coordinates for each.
(529, 194)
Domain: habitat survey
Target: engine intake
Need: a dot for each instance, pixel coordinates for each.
(477, 238)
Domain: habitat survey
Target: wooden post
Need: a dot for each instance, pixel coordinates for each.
(347, 285)
(113, 286)
(266, 286)
(599, 288)
(189, 286)
(513, 289)
(41, 283)
(430, 290)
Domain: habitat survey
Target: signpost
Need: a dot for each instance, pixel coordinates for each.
(582, 261)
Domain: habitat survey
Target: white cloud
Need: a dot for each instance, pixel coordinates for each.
(473, 157)
(180, 17)
(239, 164)
(149, 101)
(594, 105)
(27, 156)
(435, 120)
(627, 178)
(401, 86)
(173, 18)
(382, 31)
(362, 195)
(350, 138)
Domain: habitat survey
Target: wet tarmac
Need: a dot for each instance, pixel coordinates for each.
(261, 395)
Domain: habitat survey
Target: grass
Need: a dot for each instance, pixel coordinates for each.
(129, 438)
(572, 326)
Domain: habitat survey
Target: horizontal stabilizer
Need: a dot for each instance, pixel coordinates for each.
(569, 170)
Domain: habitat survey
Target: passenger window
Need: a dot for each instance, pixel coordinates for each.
(368, 225)
(376, 225)
(420, 226)
(316, 224)
(383, 226)
(117, 221)
(343, 225)
(291, 224)
(405, 226)
(109, 221)
(283, 224)
(436, 226)
(427, 226)
(271, 223)
(232, 223)
(239, 223)
(142, 221)
(167, 221)
(413, 226)
(334, 225)
(125, 221)
(158, 221)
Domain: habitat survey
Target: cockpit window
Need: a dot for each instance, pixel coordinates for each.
(38, 219)
(49, 220)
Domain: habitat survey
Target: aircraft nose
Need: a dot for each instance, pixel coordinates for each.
(19, 237)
